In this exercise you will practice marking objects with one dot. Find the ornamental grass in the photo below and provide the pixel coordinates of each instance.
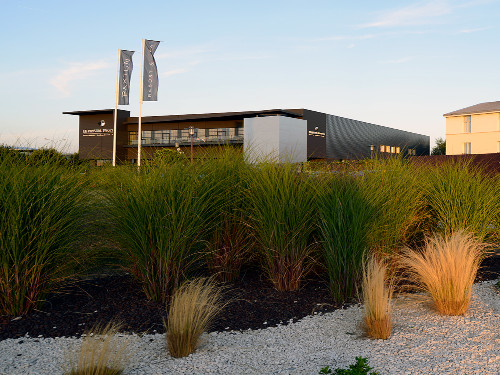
(41, 221)
(193, 307)
(377, 296)
(228, 242)
(461, 195)
(101, 352)
(161, 219)
(344, 217)
(281, 206)
(393, 188)
(446, 268)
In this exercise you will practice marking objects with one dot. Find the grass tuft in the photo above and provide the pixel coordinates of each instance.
(101, 353)
(194, 306)
(344, 218)
(446, 269)
(281, 207)
(377, 295)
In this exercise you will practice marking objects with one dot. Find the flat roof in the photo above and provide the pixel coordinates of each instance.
(93, 112)
(215, 116)
(487, 107)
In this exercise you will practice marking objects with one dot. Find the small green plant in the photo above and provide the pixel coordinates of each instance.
(101, 353)
(194, 306)
(359, 368)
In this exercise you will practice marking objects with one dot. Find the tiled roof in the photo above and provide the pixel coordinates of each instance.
(478, 108)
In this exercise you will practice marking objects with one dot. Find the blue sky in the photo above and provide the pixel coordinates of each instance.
(395, 63)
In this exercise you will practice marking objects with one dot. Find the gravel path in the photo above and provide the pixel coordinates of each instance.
(422, 342)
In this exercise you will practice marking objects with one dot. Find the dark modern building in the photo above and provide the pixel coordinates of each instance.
(326, 136)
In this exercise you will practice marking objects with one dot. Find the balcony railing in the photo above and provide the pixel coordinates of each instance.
(185, 141)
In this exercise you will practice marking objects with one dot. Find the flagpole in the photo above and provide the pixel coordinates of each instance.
(116, 106)
(139, 135)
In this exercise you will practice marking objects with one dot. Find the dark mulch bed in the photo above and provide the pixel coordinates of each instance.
(255, 304)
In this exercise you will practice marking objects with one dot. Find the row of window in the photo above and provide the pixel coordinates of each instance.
(172, 136)
(390, 149)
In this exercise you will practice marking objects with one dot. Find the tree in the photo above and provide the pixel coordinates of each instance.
(440, 147)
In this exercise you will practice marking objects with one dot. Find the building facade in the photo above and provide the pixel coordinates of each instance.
(324, 137)
(473, 130)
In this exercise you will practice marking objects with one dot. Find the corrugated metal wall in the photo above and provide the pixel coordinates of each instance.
(351, 139)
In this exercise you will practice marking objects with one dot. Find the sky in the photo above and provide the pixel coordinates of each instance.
(401, 64)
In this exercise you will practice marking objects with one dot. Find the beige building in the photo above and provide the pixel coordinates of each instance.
(473, 130)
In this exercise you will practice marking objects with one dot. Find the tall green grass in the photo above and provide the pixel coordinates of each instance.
(394, 188)
(281, 209)
(161, 219)
(228, 243)
(461, 196)
(344, 218)
(41, 211)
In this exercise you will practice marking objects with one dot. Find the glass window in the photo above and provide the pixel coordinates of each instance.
(382, 148)
(467, 148)
(393, 150)
(467, 124)
(398, 150)
(132, 138)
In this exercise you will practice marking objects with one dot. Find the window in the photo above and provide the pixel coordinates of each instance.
(467, 124)
(498, 146)
(132, 138)
(398, 150)
(393, 150)
(467, 148)
(382, 148)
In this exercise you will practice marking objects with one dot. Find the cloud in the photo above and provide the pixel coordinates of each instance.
(397, 61)
(174, 72)
(76, 71)
(346, 37)
(415, 14)
(468, 31)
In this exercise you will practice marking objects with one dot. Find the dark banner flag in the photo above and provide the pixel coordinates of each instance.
(126, 67)
(150, 84)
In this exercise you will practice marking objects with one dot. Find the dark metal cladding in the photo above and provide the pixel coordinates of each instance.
(316, 134)
(352, 139)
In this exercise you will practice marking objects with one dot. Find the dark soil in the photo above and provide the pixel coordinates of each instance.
(255, 304)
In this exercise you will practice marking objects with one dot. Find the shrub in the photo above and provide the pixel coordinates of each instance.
(281, 209)
(101, 353)
(344, 218)
(192, 309)
(461, 196)
(446, 268)
(161, 218)
(377, 295)
(168, 156)
(41, 210)
(359, 368)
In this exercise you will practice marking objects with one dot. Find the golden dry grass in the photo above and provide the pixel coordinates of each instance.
(377, 296)
(193, 307)
(446, 268)
(101, 352)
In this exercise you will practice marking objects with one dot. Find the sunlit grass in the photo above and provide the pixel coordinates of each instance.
(446, 268)
(193, 307)
(101, 352)
(377, 296)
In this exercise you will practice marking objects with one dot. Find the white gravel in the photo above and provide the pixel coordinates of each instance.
(422, 342)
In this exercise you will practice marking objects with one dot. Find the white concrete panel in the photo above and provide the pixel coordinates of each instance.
(277, 138)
